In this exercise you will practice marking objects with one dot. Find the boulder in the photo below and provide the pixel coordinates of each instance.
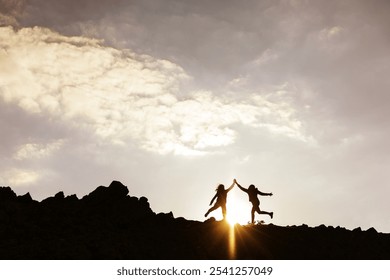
(6, 193)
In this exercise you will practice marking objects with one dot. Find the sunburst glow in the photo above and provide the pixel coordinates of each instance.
(238, 209)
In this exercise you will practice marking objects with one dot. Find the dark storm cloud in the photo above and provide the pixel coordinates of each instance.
(11, 11)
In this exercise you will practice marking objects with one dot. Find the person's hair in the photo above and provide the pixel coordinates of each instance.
(220, 187)
(252, 187)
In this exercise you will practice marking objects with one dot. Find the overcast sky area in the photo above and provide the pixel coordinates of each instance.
(174, 97)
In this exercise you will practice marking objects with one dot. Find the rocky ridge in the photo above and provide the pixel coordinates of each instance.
(108, 223)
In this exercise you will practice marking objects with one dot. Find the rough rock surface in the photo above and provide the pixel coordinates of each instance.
(110, 224)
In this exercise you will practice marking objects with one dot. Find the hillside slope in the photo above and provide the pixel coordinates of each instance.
(110, 224)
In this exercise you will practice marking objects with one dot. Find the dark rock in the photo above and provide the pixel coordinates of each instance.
(110, 224)
(102, 194)
(56, 199)
(26, 198)
(358, 229)
(322, 227)
(164, 217)
(210, 220)
(59, 195)
(6, 193)
(71, 198)
(143, 201)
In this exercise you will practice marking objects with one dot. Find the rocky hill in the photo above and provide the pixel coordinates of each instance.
(110, 224)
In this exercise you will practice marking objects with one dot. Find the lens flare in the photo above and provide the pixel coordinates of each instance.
(232, 242)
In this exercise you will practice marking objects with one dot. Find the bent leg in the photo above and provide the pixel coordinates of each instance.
(271, 214)
(256, 208)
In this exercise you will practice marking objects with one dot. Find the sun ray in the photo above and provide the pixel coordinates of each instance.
(232, 242)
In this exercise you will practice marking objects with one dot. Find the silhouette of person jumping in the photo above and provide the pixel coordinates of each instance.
(221, 197)
(252, 192)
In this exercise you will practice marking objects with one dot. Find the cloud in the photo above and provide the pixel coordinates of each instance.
(37, 150)
(11, 11)
(122, 96)
(19, 177)
(267, 56)
(330, 33)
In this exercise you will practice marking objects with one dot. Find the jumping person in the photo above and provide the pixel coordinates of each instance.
(221, 197)
(252, 192)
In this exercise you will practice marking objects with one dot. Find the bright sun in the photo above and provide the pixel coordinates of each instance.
(238, 209)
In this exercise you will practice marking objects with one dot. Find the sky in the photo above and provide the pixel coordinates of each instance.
(175, 97)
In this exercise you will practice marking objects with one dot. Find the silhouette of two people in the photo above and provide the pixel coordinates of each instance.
(252, 192)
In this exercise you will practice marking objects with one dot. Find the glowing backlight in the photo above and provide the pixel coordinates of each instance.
(238, 209)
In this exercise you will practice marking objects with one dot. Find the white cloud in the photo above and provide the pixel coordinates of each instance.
(19, 177)
(121, 96)
(267, 56)
(37, 150)
(330, 33)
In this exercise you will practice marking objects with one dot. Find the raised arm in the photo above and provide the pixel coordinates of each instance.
(241, 188)
(230, 188)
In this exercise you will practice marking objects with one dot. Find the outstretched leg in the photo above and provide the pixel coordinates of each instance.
(211, 210)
